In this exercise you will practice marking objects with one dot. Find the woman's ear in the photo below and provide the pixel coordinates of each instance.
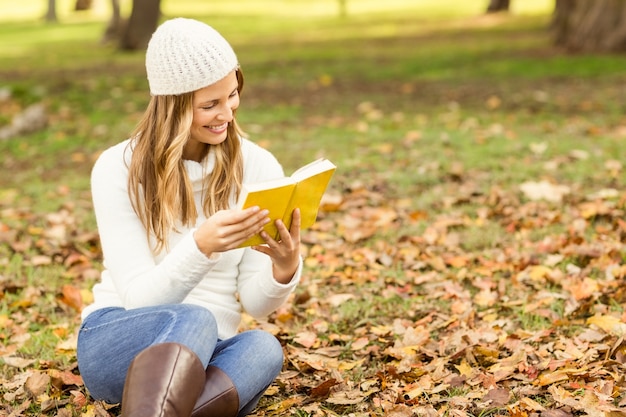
(239, 76)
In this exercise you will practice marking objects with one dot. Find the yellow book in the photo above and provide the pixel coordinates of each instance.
(303, 189)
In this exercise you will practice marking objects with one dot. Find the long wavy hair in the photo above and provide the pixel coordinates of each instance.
(158, 185)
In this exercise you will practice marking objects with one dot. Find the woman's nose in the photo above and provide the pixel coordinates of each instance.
(225, 113)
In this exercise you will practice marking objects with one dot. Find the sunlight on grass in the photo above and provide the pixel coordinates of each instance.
(318, 41)
(36, 10)
(293, 13)
(31, 10)
(308, 8)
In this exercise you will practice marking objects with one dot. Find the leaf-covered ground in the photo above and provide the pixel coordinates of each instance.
(469, 259)
(419, 324)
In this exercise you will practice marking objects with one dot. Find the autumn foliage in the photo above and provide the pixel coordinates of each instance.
(469, 258)
(416, 324)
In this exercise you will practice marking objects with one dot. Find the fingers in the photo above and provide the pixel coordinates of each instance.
(252, 224)
(251, 214)
(244, 224)
(254, 218)
(285, 252)
(287, 239)
(296, 219)
(226, 229)
(294, 231)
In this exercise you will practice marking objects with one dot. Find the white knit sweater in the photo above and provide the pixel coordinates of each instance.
(133, 277)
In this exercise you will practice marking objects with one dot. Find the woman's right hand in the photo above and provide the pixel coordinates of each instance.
(227, 229)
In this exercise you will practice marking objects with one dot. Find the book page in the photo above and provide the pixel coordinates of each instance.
(313, 168)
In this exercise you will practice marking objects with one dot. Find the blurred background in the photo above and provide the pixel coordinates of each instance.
(316, 70)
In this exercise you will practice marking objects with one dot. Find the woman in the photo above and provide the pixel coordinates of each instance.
(162, 334)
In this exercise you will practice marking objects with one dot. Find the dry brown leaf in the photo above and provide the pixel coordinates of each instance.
(307, 339)
(71, 296)
(609, 324)
(17, 362)
(37, 384)
(64, 378)
(497, 397)
(584, 289)
(323, 389)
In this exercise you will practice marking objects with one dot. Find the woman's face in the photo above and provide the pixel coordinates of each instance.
(213, 110)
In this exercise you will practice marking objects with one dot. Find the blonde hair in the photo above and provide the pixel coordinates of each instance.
(158, 185)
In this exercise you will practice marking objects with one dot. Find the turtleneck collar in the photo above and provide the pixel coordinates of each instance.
(198, 171)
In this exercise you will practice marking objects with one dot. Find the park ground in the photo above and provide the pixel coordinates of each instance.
(468, 259)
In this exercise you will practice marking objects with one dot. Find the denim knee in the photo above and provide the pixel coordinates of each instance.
(271, 347)
(194, 327)
(192, 319)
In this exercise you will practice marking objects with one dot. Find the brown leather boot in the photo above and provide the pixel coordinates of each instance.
(219, 398)
(164, 380)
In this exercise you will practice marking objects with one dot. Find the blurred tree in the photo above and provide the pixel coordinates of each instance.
(51, 14)
(590, 26)
(136, 32)
(115, 28)
(343, 8)
(83, 5)
(498, 6)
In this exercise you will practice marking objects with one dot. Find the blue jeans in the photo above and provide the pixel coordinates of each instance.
(110, 338)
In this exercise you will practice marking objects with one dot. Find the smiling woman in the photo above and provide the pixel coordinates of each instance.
(213, 110)
(170, 301)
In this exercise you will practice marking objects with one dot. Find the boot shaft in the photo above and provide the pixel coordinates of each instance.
(164, 380)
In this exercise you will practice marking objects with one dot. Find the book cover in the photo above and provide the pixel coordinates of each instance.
(304, 189)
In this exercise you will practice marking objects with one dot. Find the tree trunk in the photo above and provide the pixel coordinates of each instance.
(343, 8)
(83, 5)
(498, 6)
(116, 25)
(51, 14)
(590, 26)
(143, 21)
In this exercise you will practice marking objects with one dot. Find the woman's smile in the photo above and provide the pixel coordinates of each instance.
(218, 129)
(214, 109)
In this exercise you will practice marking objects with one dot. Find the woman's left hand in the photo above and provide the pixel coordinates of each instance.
(285, 253)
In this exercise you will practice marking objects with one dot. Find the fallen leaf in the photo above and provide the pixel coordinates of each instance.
(544, 190)
(609, 324)
(71, 296)
(17, 362)
(497, 397)
(37, 384)
(306, 339)
(323, 389)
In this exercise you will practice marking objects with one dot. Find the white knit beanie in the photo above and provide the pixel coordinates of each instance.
(185, 55)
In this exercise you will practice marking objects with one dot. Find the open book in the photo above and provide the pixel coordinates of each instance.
(303, 189)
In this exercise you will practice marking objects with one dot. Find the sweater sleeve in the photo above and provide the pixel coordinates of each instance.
(138, 278)
(259, 293)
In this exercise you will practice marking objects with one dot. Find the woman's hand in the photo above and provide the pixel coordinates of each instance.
(285, 253)
(227, 229)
